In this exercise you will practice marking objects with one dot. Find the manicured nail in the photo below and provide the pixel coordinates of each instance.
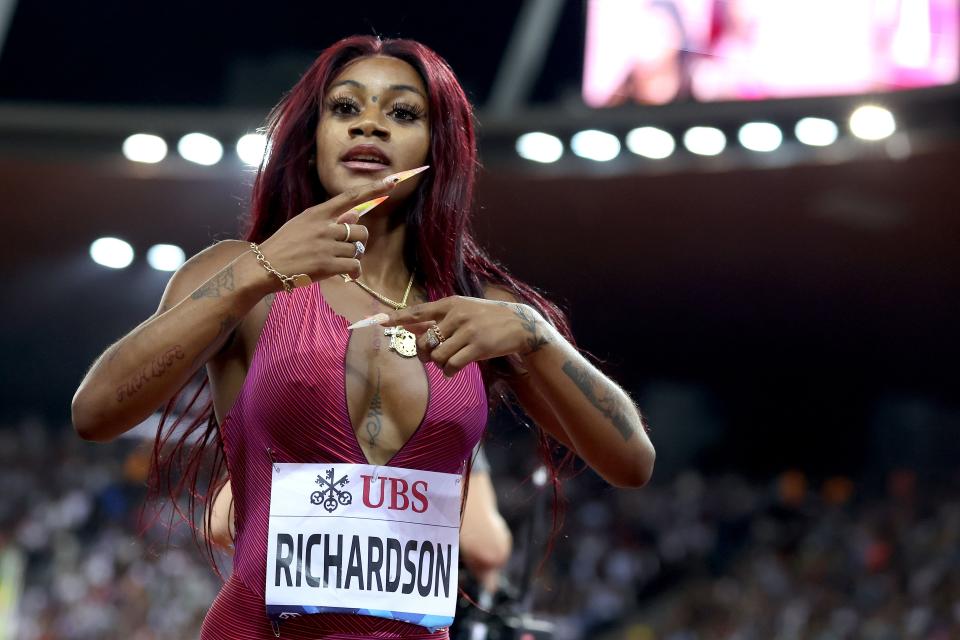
(364, 207)
(397, 178)
(369, 322)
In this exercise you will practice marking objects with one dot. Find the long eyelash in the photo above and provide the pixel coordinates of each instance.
(416, 110)
(337, 101)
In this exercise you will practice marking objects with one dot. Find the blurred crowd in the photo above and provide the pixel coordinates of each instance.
(689, 558)
(71, 510)
(726, 557)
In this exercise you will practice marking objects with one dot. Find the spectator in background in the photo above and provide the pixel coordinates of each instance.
(660, 70)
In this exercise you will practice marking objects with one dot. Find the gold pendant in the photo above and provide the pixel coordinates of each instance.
(402, 341)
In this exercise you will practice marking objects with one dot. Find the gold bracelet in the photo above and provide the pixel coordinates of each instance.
(289, 282)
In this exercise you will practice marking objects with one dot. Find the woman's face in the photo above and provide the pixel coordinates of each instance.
(374, 122)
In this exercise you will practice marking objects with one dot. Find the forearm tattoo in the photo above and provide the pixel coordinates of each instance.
(213, 287)
(528, 321)
(374, 423)
(160, 365)
(606, 403)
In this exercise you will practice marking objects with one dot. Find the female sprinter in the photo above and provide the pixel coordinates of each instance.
(297, 395)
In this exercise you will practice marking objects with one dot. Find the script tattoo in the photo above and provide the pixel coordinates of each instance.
(605, 403)
(529, 323)
(223, 281)
(160, 365)
(374, 423)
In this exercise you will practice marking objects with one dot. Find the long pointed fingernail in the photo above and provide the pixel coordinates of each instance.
(397, 178)
(364, 207)
(369, 322)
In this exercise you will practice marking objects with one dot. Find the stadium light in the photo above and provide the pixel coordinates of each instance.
(816, 132)
(539, 147)
(595, 145)
(704, 141)
(651, 142)
(111, 252)
(165, 257)
(200, 148)
(144, 147)
(871, 122)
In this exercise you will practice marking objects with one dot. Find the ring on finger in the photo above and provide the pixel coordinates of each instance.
(359, 249)
(347, 239)
(434, 337)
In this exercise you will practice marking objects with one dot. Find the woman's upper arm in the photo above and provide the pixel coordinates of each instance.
(198, 270)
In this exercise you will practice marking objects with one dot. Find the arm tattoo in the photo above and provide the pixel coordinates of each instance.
(160, 365)
(529, 323)
(223, 281)
(374, 424)
(604, 402)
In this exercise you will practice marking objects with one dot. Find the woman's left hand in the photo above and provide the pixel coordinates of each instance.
(472, 329)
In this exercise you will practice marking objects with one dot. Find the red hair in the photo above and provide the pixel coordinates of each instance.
(439, 241)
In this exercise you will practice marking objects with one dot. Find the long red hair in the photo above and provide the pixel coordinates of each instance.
(440, 247)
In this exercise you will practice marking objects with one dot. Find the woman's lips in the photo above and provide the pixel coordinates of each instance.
(365, 166)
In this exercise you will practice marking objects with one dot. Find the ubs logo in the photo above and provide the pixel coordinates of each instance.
(331, 493)
(400, 495)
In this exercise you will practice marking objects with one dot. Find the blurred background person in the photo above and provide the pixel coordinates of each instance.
(659, 71)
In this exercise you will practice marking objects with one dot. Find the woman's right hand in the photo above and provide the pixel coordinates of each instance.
(314, 242)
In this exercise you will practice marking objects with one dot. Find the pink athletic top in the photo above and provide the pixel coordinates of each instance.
(293, 406)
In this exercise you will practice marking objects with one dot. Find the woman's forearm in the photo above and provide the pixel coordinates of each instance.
(599, 418)
(146, 367)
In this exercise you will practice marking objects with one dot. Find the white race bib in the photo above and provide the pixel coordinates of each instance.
(363, 539)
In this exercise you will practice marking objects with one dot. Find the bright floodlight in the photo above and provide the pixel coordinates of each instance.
(539, 147)
(651, 142)
(250, 148)
(144, 147)
(111, 252)
(165, 257)
(760, 136)
(817, 132)
(704, 141)
(595, 145)
(200, 148)
(871, 122)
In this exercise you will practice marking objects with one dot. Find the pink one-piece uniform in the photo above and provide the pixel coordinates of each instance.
(293, 406)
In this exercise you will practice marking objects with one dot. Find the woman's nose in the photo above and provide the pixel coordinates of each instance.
(367, 127)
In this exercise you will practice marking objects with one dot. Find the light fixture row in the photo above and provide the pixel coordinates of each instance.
(115, 253)
(869, 122)
(198, 148)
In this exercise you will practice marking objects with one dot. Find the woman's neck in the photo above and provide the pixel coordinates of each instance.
(383, 266)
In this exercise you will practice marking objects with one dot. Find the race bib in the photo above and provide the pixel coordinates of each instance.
(363, 539)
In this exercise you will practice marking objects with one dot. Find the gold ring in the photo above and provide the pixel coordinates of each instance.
(347, 239)
(434, 337)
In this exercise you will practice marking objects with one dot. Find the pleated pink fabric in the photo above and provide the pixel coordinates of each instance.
(293, 407)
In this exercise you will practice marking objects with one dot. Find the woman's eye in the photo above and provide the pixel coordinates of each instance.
(344, 106)
(406, 112)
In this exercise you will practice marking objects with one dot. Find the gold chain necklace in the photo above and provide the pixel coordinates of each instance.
(402, 341)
